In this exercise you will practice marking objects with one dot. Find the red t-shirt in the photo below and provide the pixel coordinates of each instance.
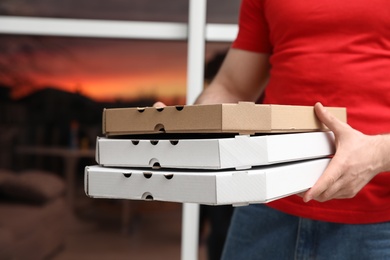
(338, 53)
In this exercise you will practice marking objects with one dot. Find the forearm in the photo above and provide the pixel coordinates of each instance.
(217, 93)
(383, 142)
(242, 77)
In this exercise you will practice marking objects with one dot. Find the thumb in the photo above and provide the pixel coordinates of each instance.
(330, 121)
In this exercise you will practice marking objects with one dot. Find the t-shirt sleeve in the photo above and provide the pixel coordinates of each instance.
(253, 33)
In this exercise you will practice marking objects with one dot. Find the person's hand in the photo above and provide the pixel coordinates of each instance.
(159, 104)
(354, 164)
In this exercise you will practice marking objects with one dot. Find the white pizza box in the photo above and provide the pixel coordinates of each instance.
(256, 185)
(241, 118)
(239, 152)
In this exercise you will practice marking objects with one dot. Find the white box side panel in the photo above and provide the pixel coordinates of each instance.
(202, 154)
(216, 187)
(288, 147)
(293, 178)
(106, 182)
(243, 152)
(241, 187)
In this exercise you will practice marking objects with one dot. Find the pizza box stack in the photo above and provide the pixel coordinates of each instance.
(210, 154)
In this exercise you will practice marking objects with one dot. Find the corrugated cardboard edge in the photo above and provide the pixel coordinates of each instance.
(242, 118)
(286, 118)
(156, 120)
(246, 118)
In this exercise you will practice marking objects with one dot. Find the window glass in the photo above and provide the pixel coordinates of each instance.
(101, 69)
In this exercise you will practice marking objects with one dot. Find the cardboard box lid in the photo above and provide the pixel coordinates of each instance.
(242, 118)
(240, 152)
(258, 185)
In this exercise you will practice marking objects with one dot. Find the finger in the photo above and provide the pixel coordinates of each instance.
(328, 178)
(340, 190)
(332, 192)
(159, 104)
(330, 121)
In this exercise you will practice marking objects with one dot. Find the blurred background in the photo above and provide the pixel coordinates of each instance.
(52, 93)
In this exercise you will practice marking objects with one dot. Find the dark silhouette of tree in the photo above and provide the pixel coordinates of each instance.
(20, 52)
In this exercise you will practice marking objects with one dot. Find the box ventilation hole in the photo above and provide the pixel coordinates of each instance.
(168, 176)
(154, 142)
(127, 174)
(147, 196)
(135, 142)
(140, 109)
(154, 163)
(174, 142)
(148, 175)
(159, 128)
(159, 109)
(179, 108)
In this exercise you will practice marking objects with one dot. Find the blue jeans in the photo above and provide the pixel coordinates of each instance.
(259, 232)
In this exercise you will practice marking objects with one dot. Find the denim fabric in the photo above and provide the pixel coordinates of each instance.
(259, 232)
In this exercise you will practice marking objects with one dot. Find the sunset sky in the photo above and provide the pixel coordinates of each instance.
(104, 69)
